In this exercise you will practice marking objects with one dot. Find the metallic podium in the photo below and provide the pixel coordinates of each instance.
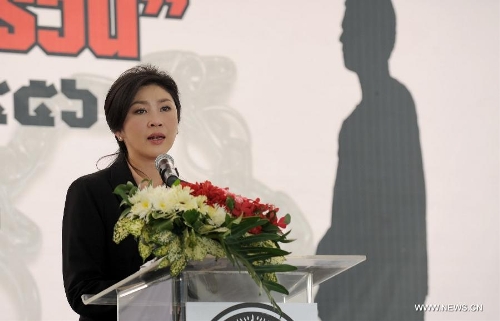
(215, 290)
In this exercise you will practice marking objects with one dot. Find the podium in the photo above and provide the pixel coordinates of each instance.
(216, 290)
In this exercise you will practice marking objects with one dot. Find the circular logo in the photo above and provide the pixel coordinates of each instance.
(251, 311)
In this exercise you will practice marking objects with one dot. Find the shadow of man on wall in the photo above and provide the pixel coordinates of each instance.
(379, 203)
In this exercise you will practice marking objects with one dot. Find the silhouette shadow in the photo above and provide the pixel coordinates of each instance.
(379, 202)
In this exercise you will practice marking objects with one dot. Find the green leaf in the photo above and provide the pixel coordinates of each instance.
(261, 250)
(276, 287)
(158, 215)
(270, 228)
(258, 258)
(124, 190)
(190, 217)
(284, 238)
(205, 229)
(230, 220)
(246, 224)
(161, 225)
(219, 230)
(230, 203)
(268, 268)
(255, 238)
(124, 213)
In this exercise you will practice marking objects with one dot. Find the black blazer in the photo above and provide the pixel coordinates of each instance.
(91, 260)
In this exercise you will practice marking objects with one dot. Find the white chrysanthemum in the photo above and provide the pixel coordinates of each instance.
(203, 208)
(185, 201)
(217, 214)
(162, 199)
(141, 202)
(141, 208)
(140, 195)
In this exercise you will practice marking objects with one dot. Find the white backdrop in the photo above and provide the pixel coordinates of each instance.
(273, 74)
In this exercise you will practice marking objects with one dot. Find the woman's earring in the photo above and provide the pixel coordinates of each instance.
(120, 139)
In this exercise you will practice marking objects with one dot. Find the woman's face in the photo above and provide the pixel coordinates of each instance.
(150, 126)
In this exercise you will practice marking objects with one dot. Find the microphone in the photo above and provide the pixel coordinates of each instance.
(165, 165)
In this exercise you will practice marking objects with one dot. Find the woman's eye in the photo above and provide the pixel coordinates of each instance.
(140, 111)
(165, 108)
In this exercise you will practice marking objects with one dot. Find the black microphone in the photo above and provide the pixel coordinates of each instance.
(165, 165)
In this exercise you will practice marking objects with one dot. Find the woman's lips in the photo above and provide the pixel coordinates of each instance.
(156, 138)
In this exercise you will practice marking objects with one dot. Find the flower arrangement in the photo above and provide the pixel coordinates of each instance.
(192, 221)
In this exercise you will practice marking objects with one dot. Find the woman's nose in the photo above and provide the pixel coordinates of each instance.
(155, 123)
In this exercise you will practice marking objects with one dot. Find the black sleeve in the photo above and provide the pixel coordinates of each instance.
(84, 241)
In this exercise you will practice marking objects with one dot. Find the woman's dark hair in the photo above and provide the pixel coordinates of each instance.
(123, 90)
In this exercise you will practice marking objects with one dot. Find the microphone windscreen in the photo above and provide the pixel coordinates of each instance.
(164, 162)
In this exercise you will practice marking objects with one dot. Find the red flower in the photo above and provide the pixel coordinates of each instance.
(214, 194)
(281, 223)
(240, 205)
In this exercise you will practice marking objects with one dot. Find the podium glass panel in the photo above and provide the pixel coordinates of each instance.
(152, 294)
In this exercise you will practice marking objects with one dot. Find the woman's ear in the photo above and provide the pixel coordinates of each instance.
(118, 136)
